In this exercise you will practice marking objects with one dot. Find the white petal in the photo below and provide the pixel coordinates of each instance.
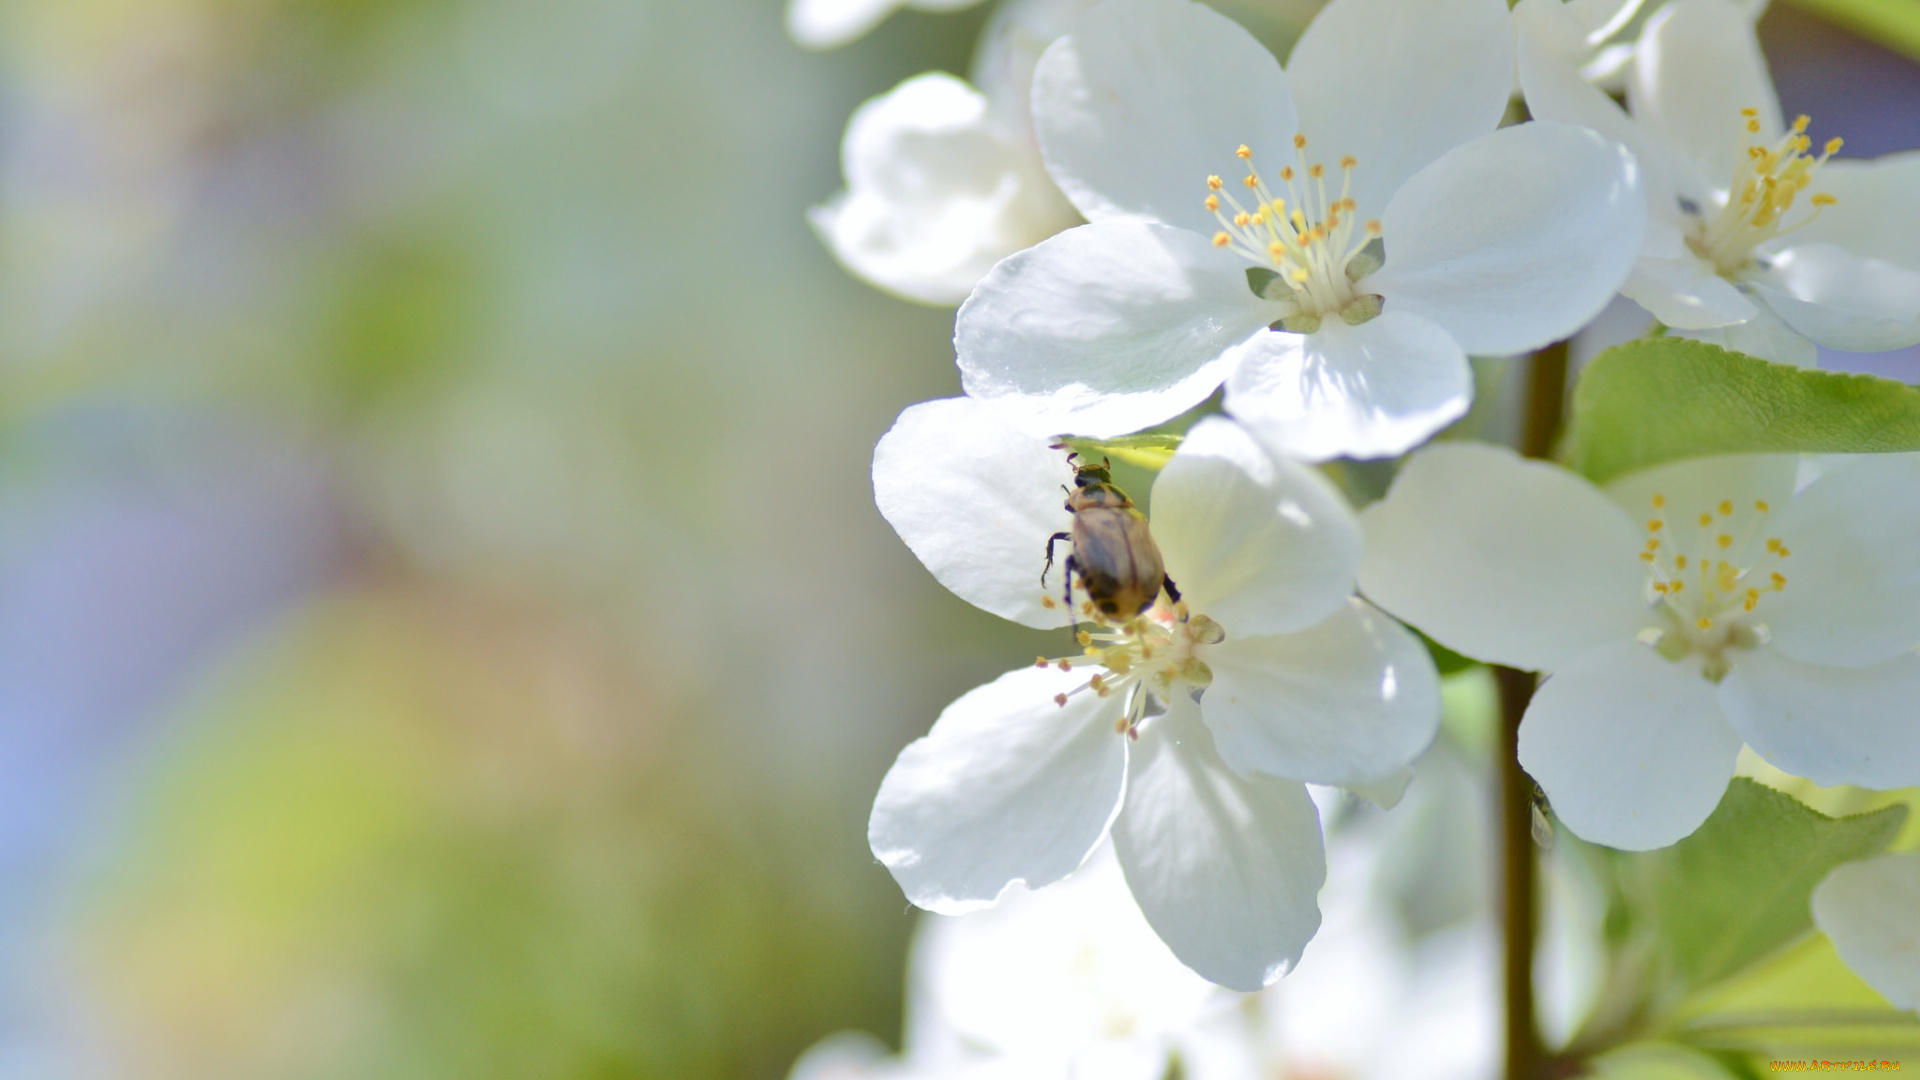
(1007, 787)
(1871, 910)
(1557, 92)
(1368, 391)
(1225, 869)
(1502, 559)
(1686, 292)
(1765, 335)
(1146, 98)
(1088, 963)
(976, 500)
(1853, 578)
(1107, 328)
(1699, 485)
(1516, 239)
(828, 24)
(1699, 65)
(1349, 701)
(1878, 213)
(1262, 545)
(1832, 725)
(1632, 750)
(937, 192)
(1396, 85)
(1842, 301)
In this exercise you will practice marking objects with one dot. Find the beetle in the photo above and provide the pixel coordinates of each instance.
(1113, 551)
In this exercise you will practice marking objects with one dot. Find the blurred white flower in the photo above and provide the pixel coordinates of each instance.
(1495, 242)
(1871, 911)
(1755, 240)
(1593, 35)
(1207, 716)
(829, 24)
(1684, 609)
(943, 179)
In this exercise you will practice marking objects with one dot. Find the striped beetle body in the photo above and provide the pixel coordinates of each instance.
(1114, 555)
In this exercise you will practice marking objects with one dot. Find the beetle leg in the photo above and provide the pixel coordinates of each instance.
(1051, 540)
(1073, 621)
(1173, 591)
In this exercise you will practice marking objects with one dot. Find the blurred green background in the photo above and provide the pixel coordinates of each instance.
(444, 626)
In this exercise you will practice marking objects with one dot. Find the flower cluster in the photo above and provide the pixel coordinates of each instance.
(1137, 207)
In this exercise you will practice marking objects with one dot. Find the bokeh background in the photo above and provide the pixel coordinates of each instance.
(444, 626)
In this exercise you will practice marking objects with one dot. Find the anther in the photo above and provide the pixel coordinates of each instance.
(1703, 623)
(1654, 525)
(1064, 664)
(1659, 501)
(1726, 507)
(1833, 145)
(1706, 520)
(1286, 173)
(1243, 153)
(1047, 601)
(1299, 142)
(1724, 541)
(1373, 227)
(1083, 638)
(1779, 581)
(1761, 505)
(1821, 198)
(1348, 162)
(1213, 183)
(1749, 112)
(1646, 556)
(1316, 170)
(1251, 181)
(1060, 700)
(1800, 123)
(1680, 561)
(1040, 661)
(1213, 202)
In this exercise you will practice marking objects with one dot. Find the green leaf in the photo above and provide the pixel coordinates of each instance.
(1662, 399)
(1738, 889)
(1149, 450)
(1893, 23)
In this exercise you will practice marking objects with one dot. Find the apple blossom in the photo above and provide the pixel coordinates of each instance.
(1331, 241)
(829, 24)
(1757, 240)
(1871, 911)
(1684, 609)
(1188, 731)
(944, 177)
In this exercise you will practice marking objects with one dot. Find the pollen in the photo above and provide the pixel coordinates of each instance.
(1307, 232)
(1761, 196)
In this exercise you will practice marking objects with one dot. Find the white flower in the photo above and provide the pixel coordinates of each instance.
(1258, 265)
(943, 179)
(829, 24)
(938, 190)
(1682, 610)
(1295, 681)
(1755, 239)
(1061, 982)
(1588, 35)
(1871, 911)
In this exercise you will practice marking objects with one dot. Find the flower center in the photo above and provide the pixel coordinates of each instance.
(1710, 581)
(1145, 659)
(1308, 253)
(1763, 190)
